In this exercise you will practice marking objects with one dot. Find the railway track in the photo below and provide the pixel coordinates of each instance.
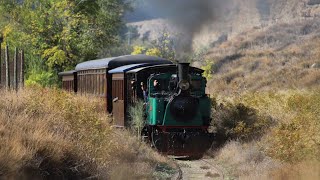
(198, 169)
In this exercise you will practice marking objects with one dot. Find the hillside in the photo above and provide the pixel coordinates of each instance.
(282, 56)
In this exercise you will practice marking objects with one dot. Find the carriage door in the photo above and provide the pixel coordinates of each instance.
(118, 99)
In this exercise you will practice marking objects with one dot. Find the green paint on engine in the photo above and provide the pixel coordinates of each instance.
(155, 110)
(158, 106)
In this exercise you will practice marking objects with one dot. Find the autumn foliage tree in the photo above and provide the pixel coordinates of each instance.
(163, 47)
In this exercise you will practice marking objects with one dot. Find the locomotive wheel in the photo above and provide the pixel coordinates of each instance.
(156, 140)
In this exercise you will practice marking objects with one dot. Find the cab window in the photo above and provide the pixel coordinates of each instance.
(158, 85)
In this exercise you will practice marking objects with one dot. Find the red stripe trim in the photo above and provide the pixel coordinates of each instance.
(164, 128)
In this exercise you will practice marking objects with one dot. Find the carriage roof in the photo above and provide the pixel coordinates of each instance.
(163, 68)
(124, 69)
(115, 62)
(66, 73)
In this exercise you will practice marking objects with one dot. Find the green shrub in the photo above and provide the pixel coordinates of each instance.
(208, 70)
(42, 78)
(239, 122)
(136, 113)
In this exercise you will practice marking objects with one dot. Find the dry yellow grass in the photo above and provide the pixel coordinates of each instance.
(245, 161)
(48, 133)
(289, 149)
(304, 170)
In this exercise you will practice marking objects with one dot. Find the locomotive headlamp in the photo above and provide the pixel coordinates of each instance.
(184, 85)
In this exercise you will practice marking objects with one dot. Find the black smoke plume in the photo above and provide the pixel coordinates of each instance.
(188, 16)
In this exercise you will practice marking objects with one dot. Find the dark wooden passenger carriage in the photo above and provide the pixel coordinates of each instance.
(69, 80)
(92, 77)
(126, 86)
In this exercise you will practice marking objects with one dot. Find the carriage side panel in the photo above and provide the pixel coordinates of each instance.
(118, 99)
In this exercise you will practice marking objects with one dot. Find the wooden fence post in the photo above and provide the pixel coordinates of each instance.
(22, 69)
(0, 63)
(7, 68)
(15, 69)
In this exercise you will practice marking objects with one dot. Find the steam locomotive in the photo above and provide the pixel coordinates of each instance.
(177, 110)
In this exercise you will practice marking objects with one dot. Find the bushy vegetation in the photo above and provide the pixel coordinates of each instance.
(245, 161)
(238, 122)
(208, 70)
(137, 118)
(48, 133)
(284, 129)
(296, 136)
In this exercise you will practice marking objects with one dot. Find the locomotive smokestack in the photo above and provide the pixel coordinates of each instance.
(183, 69)
(183, 75)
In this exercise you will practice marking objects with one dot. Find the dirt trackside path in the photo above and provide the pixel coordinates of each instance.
(204, 168)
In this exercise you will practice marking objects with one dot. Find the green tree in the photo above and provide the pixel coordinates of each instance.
(161, 47)
(61, 32)
(165, 45)
(208, 69)
(153, 52)
(139, 50)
